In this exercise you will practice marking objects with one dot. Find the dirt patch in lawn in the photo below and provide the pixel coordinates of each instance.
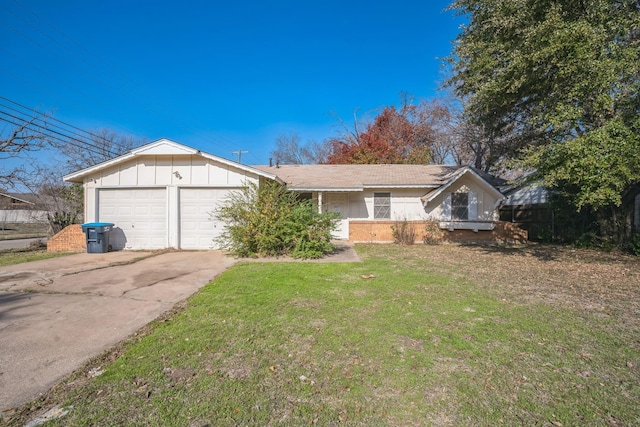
(602, 282)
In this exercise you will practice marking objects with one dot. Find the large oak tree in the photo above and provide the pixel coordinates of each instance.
(564, 76)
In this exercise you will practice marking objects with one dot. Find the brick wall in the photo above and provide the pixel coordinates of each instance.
(380, 231)
(71, 239)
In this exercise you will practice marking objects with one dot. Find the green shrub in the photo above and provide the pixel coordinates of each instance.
(269, 220)
(592, 240)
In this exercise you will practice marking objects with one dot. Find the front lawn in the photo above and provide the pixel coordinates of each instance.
(420, 335)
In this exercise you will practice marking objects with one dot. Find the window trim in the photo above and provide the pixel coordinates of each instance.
(380, 205)
(472, 207)
(459, 210)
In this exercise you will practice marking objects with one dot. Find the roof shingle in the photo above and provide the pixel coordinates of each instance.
(360, 176)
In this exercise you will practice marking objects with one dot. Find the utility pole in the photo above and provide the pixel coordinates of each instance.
(239, 153)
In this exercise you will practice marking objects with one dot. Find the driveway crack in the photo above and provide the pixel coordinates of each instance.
(118, 263)
(151, 284)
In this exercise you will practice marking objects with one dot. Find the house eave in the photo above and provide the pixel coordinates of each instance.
(326, 189)
(429, 197)
(400, 186)
(17, 198)
(178, 149)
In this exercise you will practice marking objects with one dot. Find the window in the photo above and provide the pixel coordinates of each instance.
(305, 196)
(460, 206)
(381, 205)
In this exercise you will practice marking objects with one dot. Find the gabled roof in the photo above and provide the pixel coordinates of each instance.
(359, 177)
(457, 175)
(161, 147)
(529, 193)
(20, 197)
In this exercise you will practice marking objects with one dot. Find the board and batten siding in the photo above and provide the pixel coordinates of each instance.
(486, 202)
(170, 172)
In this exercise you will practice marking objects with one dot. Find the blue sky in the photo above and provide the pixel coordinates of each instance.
(220, 76)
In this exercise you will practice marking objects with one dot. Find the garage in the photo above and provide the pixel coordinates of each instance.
(198, 228)
(139, 215)
(160, 195)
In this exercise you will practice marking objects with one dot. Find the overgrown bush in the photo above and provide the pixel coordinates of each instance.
(59, 220)
(403, 232)
(593, 240)
(269, 220)
(433, 235)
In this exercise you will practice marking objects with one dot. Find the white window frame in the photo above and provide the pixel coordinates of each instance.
(381, 206)
(460, 206)
(472, 207)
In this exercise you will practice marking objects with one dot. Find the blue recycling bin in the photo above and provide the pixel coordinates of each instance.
(97, 234)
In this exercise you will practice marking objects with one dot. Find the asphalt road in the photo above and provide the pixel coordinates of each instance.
(16, 243)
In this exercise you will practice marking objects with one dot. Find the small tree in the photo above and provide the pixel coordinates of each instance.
(269, 220)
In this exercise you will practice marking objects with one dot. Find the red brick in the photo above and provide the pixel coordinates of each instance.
(70, 239)
(380, 231)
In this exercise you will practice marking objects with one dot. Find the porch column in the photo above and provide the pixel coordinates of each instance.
(319, 201)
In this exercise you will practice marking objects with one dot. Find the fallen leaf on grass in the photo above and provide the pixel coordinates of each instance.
(368, 276)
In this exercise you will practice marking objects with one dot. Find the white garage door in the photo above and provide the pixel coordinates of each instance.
(139, 215)
(198, 228)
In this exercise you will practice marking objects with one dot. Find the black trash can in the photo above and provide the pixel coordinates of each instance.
(97, 234)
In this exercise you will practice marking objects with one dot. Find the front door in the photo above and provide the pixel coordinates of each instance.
(339, 202)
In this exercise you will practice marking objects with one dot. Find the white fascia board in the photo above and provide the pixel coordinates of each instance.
(171, 148)
(400, 186)
(163, 146)
(240, 166)
(144, 149)
(457, 176)
(491, 188)
(327, 189)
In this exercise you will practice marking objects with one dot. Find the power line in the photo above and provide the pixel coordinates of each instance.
(53, 135)
(167, 111)
(90, 134)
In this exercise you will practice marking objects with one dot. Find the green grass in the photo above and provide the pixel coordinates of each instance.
(310, 343)
(21, 230)
(18, 256)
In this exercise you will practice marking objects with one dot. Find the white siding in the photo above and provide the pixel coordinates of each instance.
(473, 206)
(147, 171)
(446, 207)
(155, 174)
(485, 202)
(405, 204)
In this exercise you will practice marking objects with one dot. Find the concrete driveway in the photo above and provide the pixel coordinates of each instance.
(56, 314)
